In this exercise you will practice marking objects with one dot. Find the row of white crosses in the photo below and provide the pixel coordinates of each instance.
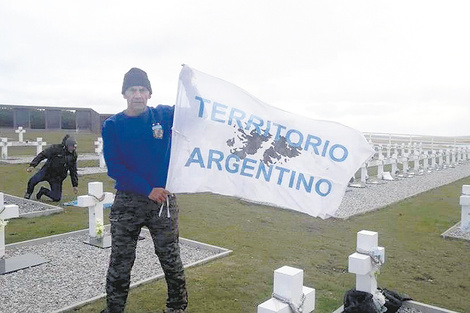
(4, 144)
(7, 211)
(94, 201)
(405, 154)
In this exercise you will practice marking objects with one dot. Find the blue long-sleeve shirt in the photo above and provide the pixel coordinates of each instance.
(136, 160)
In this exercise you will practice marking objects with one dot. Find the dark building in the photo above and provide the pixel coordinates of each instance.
(50, 118)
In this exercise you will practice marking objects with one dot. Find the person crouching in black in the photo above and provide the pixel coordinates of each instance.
(61, 158)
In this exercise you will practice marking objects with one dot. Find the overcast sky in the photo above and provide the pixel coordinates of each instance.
(377, 66)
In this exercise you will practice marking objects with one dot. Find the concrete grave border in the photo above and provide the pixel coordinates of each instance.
(423, 308)
(221, 252)
(52, 208)
(455, 233)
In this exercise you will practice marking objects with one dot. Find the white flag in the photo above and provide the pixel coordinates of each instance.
(228, 142)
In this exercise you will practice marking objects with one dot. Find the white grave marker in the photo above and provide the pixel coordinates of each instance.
(465, 207)
(6, 212)
(16, 263)
(95, 200)
(99, 151)
(20, 131)
(5, 144)
(39, 144)
(289, 294)
(366, 261)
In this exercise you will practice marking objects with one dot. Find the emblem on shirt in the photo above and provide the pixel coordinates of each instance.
(157, 131)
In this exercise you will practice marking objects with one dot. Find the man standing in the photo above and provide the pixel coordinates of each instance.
(136, 147)
(61, 158)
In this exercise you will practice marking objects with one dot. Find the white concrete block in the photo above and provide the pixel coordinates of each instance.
(465, 218)
(95, 189)
(366, 283)
(359, 264)
(273, 306)
(8, 210)
(367, 240)
(464, 200)
(466, 189)
(85, 201)
(309, 303)
(288, 282)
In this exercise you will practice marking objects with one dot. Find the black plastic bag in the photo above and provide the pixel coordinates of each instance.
(358, 302)
(393, 300)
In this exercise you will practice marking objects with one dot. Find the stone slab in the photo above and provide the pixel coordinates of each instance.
(104, 242)
(20, 262)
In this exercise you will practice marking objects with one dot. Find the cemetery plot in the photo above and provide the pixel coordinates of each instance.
(461, 230)
(364, 263)
(76, 272)
(19, 262)
(31, 208)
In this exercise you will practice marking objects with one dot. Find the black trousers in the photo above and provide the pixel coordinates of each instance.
(129, 213)
(55, 193)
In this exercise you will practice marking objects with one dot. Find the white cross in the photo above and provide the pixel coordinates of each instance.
(39, 144)
(465, 207)
(425, 156)
(288, 286)
(94, 201)
(5, 144)
(364, 175)
(404, 158)
(99, 150)
(20, 132)
(362, 263)
(6, 212)
(415, 157)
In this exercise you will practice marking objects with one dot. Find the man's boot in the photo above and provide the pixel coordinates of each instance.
(41, 192)
(27, 195)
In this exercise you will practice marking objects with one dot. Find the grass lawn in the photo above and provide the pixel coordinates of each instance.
(418, 261)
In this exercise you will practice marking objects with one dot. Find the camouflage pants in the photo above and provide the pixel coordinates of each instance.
(129, 213)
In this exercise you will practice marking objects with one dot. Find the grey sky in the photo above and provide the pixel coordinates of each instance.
(380, 66)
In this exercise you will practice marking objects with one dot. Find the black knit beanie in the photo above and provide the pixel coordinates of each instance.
(70, 142)
(136, 77)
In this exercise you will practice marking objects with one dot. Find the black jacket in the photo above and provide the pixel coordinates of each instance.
(59, 162)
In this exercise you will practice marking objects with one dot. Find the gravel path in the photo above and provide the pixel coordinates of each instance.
(373, 197)
(76, 272)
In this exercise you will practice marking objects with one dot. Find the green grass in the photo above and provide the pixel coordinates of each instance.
(418, 261)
